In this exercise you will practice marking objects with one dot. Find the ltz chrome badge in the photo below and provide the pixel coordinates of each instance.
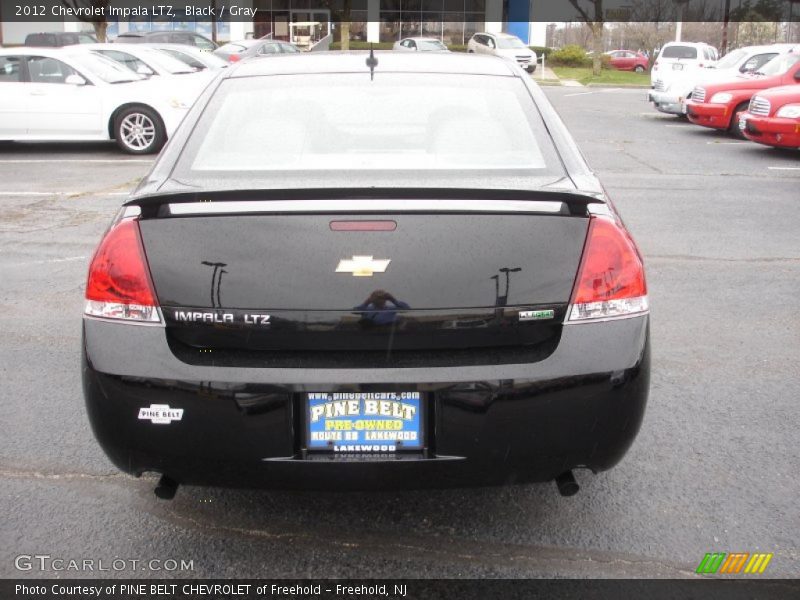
(536, 315)
(362, 266)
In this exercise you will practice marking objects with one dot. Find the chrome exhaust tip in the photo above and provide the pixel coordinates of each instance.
(166, 488)
(567, 486)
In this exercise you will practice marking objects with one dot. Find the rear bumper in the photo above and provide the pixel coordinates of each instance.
(716, 116)
(773, 131)
(667, 102)
(580, 407)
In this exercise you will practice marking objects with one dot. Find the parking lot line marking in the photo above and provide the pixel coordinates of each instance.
(657, 116)
(99, 193)
(784, 168)
(49, 261)
(16, 161)
(727, 143)
(578, 94)
(39, 193)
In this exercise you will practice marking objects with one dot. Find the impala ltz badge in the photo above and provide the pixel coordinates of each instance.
(160, 414)
(221, 318)
(362, 266)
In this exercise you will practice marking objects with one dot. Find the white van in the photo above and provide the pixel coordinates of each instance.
(679, 58)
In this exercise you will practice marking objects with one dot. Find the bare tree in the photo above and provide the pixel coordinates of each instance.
(99, 23)
(340, 13)
(596, 25)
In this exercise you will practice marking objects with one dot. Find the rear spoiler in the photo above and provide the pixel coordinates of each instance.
(345, 200)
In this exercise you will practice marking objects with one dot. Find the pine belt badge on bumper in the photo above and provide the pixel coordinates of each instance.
(160, 414)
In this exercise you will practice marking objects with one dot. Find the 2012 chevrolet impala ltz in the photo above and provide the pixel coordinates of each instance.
(349, 270)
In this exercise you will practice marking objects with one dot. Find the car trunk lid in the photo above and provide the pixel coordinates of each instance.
(361, 281)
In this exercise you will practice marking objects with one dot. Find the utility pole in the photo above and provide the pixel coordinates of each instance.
(681, 5)
(214, 21)
(725, 22)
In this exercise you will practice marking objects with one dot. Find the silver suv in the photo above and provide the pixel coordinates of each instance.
(505, 45)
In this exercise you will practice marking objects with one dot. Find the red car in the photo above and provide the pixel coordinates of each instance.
(720, 105)
(774, 117)
(627, 60)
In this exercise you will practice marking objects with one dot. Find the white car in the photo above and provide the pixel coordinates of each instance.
(197, 59)
(420, 44)
(505, 45)
(676, 59)
(71, 93)
(143, 59)
(670, 95)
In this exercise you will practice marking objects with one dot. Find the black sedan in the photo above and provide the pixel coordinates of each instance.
(422, 284)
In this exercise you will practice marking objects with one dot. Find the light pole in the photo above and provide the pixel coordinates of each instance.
(503, 300)
(216, 280)
(681, 4)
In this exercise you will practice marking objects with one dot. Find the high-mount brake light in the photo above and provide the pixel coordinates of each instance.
(611, 282)
(119, 284)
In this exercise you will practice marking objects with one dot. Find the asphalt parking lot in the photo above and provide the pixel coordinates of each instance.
(713, 469)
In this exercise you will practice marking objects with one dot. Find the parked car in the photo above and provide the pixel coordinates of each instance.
(74, 94)
(58, 39)
(670, 96)
(187, 38)
(721, 104)
(681, 58)
(420, 44)
(236, 51)
(627, 60)
(142, 59)
(504, 45)
(388, 303)
(192, 56)
(773, 117)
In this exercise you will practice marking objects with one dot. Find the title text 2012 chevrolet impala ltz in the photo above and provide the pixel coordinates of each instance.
(355, 271)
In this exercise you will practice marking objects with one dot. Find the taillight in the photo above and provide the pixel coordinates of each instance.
(611, 280)
(234, 58)
(655, 66)
(119, 285)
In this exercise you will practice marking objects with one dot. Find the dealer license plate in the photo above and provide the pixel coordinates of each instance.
(364, 422)
(743, 123)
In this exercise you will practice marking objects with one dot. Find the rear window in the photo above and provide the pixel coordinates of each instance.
(185, 58)
(431, 45)
(731, 59)
(347, 126)
(680, 52)
(232, 48)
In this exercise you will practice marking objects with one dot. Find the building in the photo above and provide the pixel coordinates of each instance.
(453, 21)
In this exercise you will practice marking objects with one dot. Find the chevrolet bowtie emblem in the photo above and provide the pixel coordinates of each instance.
(362, 266)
